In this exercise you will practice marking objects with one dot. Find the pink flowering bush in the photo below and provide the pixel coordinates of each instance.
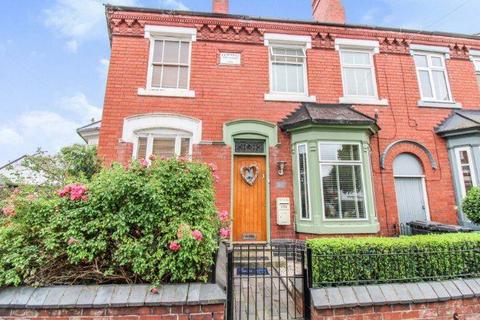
(142, 224)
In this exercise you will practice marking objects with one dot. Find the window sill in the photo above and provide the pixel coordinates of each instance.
(289, 97)
(438, 104)
(366, 101)
(178, 93)
(344, 227)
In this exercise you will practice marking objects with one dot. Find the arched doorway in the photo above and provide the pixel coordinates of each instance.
(412, 201)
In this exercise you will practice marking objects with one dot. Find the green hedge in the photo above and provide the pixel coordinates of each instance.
(341, 261)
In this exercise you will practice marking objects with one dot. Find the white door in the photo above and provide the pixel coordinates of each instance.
(412, 201)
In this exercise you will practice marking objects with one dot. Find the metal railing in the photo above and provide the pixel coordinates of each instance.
(407, 265)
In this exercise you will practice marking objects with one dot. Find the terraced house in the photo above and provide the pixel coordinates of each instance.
(316, 127)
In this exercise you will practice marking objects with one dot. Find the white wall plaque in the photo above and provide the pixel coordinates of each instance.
(230, 58)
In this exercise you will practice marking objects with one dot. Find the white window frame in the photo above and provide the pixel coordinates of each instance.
(309, 207)
(353, 162)
(430, 68)
(460, 171)
(273, 40)
(151, 136)
(371, 47)
(164, 33)
(476, 66)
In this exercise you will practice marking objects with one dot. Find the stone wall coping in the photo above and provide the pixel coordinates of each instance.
(393, 294)
(103, 296)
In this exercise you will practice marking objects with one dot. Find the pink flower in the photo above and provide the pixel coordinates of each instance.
(9, 210)
(197, 235)
(143, 163)
(174, 246)
(213, 167)
(72, 241)
(225, 233)
(16, 191)
(223, 216)
(75, 191)
(216, 177)
(32, 197)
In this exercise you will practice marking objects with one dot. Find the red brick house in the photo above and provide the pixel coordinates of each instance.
(316, 127)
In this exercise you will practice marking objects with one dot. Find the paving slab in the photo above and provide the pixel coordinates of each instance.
(103, 296)
(174, 294)
(87, 296)
(376, 294)
(452, 289)
(334, 297)
(402, 292)
(37, 298)
(415, 293)
(6, 296)
(21, 297)
(54, 296)
(440, 290)
(348, 296)
(320, 298)
(139, 294)
(474, 286)
(389, 293)
(464, 288)
(120, 296)
(363, 297)
(428, 292)
(70, 296)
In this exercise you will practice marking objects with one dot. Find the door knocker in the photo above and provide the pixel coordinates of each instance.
(249, 173)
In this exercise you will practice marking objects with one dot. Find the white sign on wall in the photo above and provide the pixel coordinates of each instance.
(283, 211)
(230, 58)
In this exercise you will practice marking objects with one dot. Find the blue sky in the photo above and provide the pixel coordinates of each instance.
(54, 55)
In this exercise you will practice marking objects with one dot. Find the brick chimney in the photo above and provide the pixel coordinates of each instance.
(328, 11)
(220, 6)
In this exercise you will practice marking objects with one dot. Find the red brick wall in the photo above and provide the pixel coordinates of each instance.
(226, 93)
(206, 312)
(454, 309)
(328, 11)
(220, 6)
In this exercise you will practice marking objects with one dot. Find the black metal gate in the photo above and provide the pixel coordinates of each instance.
(267, 281)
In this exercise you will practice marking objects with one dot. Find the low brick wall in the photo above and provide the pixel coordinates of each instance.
(453, 300)
(123, 302)
(451, 310)
(193, 312)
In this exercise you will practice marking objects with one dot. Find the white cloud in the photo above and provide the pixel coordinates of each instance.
(48, 130)
(102, 68)
(173, 4)
(82, 109)
(79, 21)
(9, 137)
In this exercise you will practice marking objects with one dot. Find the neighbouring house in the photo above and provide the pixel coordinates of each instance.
(90, 132)
(316, 127)
(14, 173)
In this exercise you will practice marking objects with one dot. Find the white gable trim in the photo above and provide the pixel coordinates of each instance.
(164, 121)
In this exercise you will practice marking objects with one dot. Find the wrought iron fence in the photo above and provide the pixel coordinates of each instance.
(407, 265)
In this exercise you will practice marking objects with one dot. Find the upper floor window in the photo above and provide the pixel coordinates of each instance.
(169, 64)
(432, 77)
(288, 67)
(476, 62)
(358, 71)
(342, 181)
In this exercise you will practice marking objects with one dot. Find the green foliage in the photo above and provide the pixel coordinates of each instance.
(407, 259)
(471, 205)
(119, 232)
(80, 161)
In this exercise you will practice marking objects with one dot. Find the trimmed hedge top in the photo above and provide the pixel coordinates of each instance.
(353, 261)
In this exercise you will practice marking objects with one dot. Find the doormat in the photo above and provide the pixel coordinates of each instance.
(252, 271)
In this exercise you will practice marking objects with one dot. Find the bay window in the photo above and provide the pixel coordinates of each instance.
(303, 182)
(162, 145)
(465, 170)
(342, 181)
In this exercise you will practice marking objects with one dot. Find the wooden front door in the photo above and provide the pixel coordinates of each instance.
(249, 199)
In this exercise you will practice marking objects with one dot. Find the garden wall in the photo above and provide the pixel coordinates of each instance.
(456, 299)
(126, 302)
